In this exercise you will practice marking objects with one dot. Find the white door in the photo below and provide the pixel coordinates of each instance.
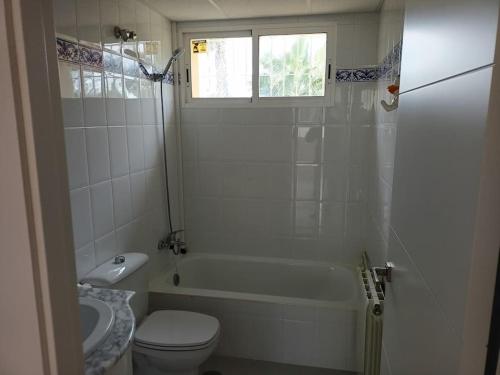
(437, 306)
(39, 317)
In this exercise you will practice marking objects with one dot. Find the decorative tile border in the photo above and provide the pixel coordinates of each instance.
(79, 54)
(343, 75)
(67, 51)
(91, 57)
(169, 79)
(365, 74)
(388, 67)
(357, 75)
(97, 58)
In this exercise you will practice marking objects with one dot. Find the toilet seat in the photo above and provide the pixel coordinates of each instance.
(174, 330)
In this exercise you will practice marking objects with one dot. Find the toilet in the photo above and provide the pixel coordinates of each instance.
(171, 341)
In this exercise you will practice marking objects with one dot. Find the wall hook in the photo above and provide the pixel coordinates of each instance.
(394, 90)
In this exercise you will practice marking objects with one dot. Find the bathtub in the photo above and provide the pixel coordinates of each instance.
(280, 310)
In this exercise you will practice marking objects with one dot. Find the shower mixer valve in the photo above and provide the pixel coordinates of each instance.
(172, 242)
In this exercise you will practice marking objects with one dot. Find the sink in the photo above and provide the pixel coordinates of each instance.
(96, 321)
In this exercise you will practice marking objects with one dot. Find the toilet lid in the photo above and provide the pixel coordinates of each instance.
(177, 328)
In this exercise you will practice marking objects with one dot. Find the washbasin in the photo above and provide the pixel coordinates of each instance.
(96, 322)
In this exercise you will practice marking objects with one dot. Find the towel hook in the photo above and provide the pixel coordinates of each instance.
(394, 90)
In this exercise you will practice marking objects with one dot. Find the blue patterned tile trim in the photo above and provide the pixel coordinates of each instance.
(67, 51)
(80, 54)
(357, 75)
(365, 74)
(396, 52)
(390, 65)
(169, 79)
(388, 68)
(90, 56)
(343, 75)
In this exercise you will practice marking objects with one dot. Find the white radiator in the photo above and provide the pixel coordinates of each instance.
(371, 323)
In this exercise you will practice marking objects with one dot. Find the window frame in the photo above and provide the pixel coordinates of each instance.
(187, 37)
(255, 31)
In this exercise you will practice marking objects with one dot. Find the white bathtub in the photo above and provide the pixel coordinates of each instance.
(279, 310)
(261, 279)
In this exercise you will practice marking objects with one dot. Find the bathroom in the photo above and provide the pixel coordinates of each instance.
(247, 187)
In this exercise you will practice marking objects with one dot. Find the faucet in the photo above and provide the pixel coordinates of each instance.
(381, 275)
(172, 242)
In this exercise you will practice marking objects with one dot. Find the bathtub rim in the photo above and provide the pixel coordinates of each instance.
(158, 283)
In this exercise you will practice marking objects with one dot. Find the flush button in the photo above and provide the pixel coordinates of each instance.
(119, 259)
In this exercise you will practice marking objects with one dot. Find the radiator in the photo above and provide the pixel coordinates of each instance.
(371, 323)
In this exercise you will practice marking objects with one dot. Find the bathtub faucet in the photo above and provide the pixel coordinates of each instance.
(172, 242)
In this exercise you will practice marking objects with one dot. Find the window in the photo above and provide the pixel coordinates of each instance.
(221, 67)
(260, 66)
(292, 65)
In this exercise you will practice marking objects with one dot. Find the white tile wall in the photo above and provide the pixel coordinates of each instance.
(76, 157)
(81, 217)
(381, 143)
(133, 112)
(86, 260)
(115, 111)
(72, 111)
(285, 177)
(105, 248)
(88, 26)
(94, 112)
(114, 141)
(65, 17)
(118, 151)
(122, 201)
(98, 154)
(135, 141)
(102, 208)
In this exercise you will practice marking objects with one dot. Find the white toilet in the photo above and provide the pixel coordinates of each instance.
(173, 342)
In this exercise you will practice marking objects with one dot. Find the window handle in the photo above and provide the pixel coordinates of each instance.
(329, 71)
(187, 75)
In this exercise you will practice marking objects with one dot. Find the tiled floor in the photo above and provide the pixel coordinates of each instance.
(240, 366)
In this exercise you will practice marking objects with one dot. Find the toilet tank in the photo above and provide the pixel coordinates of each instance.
(126, 271)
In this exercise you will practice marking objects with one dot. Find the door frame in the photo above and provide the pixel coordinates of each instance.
(39, 318)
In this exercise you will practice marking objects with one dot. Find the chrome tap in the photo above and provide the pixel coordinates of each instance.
(172, 242)
(381, 275)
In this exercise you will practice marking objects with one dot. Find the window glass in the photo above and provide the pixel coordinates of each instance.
(221, 67)
(292, 65)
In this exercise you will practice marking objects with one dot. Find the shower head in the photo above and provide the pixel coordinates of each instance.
(155, 76)
(176, 55)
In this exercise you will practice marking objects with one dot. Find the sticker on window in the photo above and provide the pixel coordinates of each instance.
(199, 46)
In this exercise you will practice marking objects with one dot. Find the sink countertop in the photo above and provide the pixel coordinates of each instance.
(122, 332)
